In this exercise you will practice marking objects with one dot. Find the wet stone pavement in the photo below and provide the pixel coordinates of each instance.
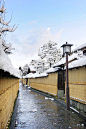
(35, 111)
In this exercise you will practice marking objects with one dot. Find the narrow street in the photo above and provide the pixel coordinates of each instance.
(35, 111)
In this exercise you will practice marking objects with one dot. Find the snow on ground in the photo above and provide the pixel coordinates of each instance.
(74, 109)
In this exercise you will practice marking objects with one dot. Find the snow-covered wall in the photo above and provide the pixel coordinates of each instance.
(78, 63)
(5, 63)
(79, 47)
(78, 55)
(35, 75)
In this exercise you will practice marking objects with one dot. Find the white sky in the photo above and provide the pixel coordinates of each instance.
(40, 21)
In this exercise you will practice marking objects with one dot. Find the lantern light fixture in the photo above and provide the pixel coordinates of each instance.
(66, 48)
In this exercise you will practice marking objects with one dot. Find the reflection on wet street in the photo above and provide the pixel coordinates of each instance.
(35, 111)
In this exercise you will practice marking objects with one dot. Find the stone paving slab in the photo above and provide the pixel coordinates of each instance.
(36, 111)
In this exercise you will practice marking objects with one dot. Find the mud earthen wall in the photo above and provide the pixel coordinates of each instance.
(8, 92)
(46, 84)
(77, 84)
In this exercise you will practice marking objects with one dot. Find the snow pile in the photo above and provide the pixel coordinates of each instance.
(5, 63)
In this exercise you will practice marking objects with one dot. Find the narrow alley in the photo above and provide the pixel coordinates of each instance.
(35, 111)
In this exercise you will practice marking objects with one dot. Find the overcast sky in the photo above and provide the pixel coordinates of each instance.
(43, 20)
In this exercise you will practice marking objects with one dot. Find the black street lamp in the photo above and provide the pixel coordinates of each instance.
(22, 73)
(67, 50)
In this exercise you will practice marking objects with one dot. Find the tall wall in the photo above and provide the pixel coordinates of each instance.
(46, 84)
(77, 84)
(8, 92)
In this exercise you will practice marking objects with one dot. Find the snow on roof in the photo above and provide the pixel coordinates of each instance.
(51, 70)
(77, 63)
(30, 75)
(5, 63)
(35, 75)
(79, 47)
(32, 68)
(63, 60)
(42, 75)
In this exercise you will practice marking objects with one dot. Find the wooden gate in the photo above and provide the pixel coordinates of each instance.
(61, 80)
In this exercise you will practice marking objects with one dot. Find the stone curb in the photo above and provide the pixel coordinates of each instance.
(73, 109)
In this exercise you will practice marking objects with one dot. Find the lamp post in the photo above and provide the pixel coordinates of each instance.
(67, 50)
(22, 73)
